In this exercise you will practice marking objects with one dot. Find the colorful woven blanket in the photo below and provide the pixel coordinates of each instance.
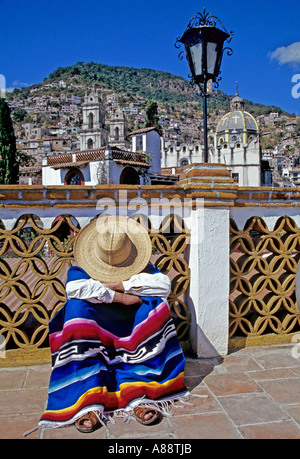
(111, 358)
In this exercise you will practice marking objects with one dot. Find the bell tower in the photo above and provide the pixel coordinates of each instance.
(237, 103)
(119, 129)
(92, 134)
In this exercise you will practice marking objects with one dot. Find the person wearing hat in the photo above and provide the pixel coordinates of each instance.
(115, 351)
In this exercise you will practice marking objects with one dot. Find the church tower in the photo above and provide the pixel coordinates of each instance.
(237, 103)
(92, 134)
(119, 129)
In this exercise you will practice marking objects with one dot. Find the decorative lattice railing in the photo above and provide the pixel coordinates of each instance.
(33, 269)
(263, 266)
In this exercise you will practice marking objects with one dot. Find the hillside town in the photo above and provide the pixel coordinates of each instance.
(49, 122)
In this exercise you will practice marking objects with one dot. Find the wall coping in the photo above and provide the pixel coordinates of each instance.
(210, 182)
(213, 193)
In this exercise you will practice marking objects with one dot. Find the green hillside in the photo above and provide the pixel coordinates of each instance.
(145, 84)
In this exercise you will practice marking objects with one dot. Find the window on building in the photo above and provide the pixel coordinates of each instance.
(74, 177)
(129, 176)
(91, 121)
(184, 162)
(90, 143)
(139, 143)
(235, 177)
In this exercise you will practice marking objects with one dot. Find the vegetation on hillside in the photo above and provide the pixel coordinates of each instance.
(145, 84)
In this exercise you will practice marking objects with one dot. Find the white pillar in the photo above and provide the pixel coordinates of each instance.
(209, 286)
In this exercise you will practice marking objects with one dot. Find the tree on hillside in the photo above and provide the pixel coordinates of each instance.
(9, 164)
(152, 116)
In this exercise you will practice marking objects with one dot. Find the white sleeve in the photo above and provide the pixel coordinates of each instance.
(144, 284)
(90, 290)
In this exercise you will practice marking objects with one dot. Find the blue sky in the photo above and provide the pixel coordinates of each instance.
(37, 36)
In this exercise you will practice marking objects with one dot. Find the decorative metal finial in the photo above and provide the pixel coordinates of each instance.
(202, 21)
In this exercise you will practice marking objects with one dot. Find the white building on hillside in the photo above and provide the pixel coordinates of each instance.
(148, 141)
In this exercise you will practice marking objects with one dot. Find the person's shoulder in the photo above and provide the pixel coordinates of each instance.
(75, 273)
(151, 269)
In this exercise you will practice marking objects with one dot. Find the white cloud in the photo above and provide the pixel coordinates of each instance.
(17, 84)
(289, 55)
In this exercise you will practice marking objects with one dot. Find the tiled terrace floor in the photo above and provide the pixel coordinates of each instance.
(252, 393)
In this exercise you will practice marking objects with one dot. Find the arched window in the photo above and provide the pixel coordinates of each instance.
(129, 176)
(91, 121)
(74, 177)
(117, 133)
(90, 143)
(211, 140)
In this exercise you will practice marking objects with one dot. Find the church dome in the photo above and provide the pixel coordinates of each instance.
(237, 125)
(237, 119)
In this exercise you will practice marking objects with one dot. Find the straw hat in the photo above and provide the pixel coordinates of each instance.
(112, 248)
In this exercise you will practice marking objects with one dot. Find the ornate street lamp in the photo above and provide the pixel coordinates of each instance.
(203, 43)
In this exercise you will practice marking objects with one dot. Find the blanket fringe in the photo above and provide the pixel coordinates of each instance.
(163, 406)
(30, 431)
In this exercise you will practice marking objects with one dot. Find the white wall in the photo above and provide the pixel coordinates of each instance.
(51, 176)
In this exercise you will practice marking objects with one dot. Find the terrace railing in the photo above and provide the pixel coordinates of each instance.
(232, 254)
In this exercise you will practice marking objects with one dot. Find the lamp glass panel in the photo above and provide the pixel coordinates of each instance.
(211, 57)
(196, 55)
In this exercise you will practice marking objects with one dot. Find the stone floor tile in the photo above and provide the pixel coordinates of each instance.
(198, 367)
(12, 378)
(251, 408)
(205, 426)
(38, 376)
(294, 412)
(226, 384)
(29, 401)
(14, 426)
(198, 404)
(71, 433)
(296, 370)
(284, 430)
(134, 429)
(277, 359)
(277, 373)
(192, 381)
(285, 391)
(237, 363)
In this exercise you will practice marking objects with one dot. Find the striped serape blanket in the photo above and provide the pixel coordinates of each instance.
(112, 358)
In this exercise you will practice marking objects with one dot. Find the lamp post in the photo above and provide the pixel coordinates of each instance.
(203, 43)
